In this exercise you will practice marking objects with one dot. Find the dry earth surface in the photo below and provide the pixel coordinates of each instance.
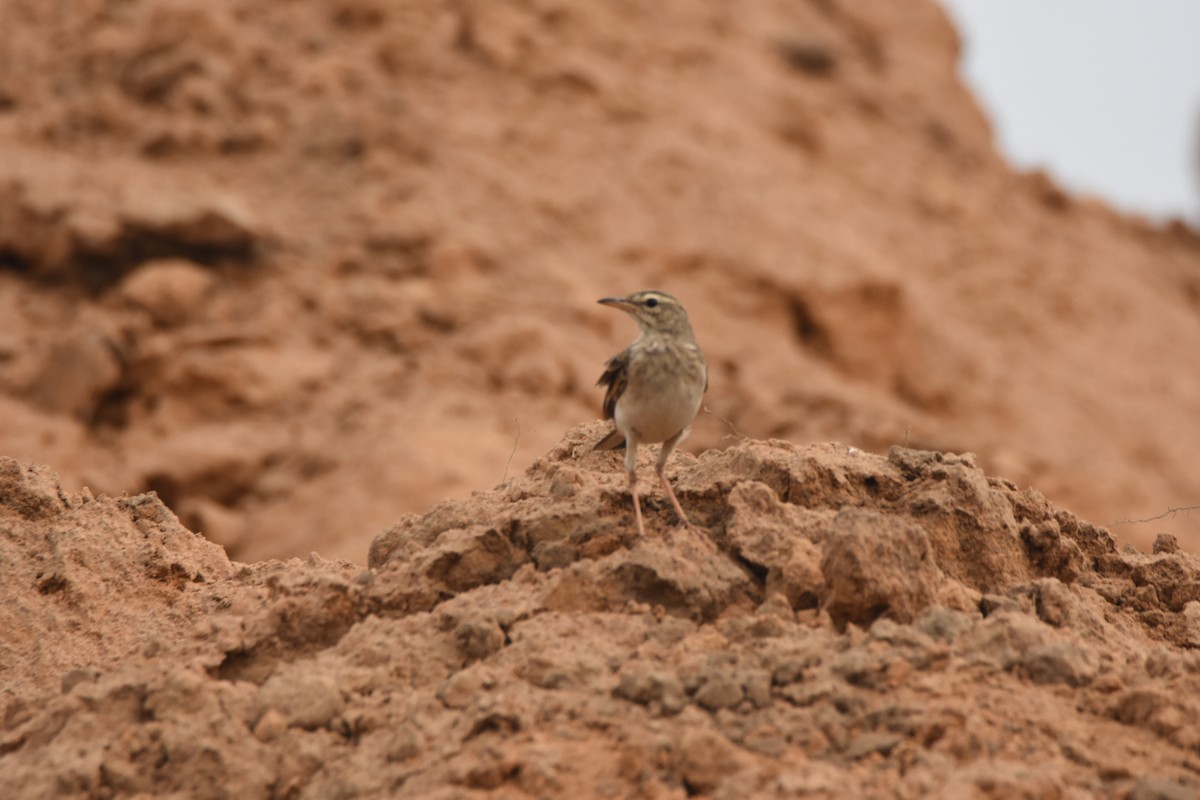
(839, 624)
(303, 267)
(283, 274)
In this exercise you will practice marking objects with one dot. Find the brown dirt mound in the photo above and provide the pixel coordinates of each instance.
(838, 624)
(303, 267)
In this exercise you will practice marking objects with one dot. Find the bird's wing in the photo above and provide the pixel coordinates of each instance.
(615, 378)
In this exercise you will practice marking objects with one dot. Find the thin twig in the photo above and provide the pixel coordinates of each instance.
(736, 433)
(516, 441)
(907, 428)
(1170, 512)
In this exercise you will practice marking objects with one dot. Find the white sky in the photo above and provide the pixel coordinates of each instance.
(1105, 94)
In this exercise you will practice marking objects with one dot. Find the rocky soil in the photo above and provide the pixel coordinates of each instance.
(837, 624)
(300, 268)
(276, 277)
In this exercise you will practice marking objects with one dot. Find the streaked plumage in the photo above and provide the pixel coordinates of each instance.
(653, 387)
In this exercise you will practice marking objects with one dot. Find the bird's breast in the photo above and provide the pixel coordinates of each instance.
(666, 385)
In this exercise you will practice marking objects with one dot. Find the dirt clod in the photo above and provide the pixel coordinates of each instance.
(525, 678)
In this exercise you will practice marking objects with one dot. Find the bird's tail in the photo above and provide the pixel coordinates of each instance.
(614, 441)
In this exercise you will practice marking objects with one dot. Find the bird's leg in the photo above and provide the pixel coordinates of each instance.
(637, 507)
(661, 467)
(631, 470)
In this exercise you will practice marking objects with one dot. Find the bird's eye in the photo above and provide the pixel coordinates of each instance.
(652, 302)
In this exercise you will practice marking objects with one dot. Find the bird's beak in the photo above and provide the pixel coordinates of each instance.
(618, 302)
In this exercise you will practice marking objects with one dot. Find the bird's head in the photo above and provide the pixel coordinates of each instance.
(654, 311)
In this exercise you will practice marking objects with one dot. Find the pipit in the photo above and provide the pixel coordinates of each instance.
(654, 386)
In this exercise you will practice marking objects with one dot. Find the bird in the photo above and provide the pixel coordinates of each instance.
(653, 387)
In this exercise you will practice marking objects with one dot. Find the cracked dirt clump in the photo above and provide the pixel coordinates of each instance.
(824, 630)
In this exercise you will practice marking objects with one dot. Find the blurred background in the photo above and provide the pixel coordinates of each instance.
(305, 268)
